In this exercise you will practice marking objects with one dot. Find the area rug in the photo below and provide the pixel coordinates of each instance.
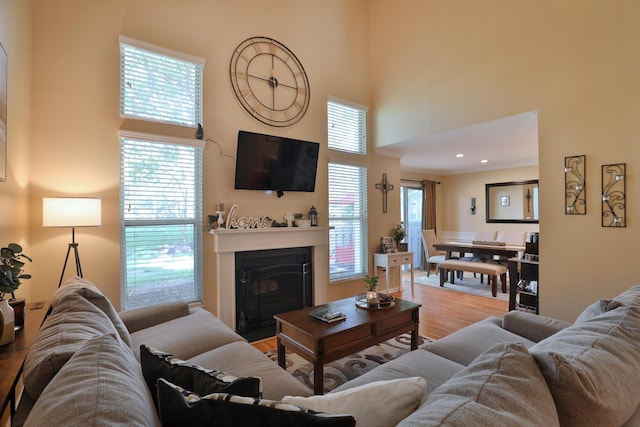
(468, 285)
(342, 370)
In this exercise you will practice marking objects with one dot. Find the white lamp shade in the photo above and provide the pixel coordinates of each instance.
(71, 212)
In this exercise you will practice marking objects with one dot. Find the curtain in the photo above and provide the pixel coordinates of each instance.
(429, 205)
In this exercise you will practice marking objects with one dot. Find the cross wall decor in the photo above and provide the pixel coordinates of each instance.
(385, 187)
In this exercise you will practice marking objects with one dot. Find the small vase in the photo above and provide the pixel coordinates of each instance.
(7, 333)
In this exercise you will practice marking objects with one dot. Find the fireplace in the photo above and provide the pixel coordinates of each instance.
(269, 282)
(227, 243)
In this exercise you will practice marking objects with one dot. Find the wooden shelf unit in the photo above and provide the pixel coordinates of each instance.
(521, 269)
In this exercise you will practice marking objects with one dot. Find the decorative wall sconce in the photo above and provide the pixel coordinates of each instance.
(575, 199)
(473, 206)
(614, 195)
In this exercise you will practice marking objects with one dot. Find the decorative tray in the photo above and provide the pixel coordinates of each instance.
(361, 302)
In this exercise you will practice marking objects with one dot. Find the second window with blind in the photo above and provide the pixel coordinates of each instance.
(347, 192)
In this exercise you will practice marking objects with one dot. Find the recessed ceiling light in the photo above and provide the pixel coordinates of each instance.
(460, 155)
(484, 161)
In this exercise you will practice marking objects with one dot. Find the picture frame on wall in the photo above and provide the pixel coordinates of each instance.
(3, 114)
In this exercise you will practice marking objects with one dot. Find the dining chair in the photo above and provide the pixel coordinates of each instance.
(431, 255)
(511, 238)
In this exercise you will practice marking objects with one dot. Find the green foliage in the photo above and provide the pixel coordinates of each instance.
(372, 282)
(11, 271)
(398, 233)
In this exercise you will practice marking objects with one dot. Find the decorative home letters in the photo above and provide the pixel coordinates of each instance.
(244, 222)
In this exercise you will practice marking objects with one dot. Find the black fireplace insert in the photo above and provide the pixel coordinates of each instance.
(269, 282)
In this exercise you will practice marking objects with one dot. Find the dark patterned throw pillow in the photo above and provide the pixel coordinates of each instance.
(157, 364)
(179, 407)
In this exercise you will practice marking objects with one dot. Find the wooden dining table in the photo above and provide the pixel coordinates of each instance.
(507, 251)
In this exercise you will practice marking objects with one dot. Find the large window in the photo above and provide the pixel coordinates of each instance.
(160, 178)
(159, 84)
(347, 193)
(161, 222)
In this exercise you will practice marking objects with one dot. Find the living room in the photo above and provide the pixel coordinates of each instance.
(420, 67)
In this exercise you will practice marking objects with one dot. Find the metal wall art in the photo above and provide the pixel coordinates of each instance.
(614, 195)
(575, 200)
(385, 187)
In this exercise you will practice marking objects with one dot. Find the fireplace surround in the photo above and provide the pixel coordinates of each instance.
(228, 242)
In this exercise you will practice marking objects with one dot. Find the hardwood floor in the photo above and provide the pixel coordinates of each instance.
(443, 311)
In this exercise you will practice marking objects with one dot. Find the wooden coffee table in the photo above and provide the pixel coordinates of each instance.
(320, 342)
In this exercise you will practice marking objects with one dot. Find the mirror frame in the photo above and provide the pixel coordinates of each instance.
(504, 184)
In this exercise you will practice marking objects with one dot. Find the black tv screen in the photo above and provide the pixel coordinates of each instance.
(266, 162)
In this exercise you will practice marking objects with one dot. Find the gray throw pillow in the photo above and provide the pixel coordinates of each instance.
(593, 368)
(501, 387)
(596, 309)
(73, 321)
(101, 385)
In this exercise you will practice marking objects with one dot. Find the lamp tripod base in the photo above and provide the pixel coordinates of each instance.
(73, 245)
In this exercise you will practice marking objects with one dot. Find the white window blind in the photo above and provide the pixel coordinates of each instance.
(160, 85)
(161, 222)
(348, 219)
(347, 128)
(348, 245)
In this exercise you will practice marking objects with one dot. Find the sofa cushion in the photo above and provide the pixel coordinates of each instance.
(101, 385)
(501, 387)
(146, 317)
(181, 407)
(435, 369)
(91, 292)
(532, 326)
(245, 360)
(464, 345)
(593, 368)
(597, 308)
(157, 364)
(363, 402)
(186, 336)
(73, 321)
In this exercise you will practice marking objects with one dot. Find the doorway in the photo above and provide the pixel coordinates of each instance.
(411, 205)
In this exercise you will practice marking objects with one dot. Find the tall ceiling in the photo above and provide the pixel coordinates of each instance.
(504, 143)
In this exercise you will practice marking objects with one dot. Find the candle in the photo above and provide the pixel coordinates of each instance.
(220, 207)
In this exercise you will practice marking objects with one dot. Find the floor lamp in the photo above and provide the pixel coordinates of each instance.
(71, 212)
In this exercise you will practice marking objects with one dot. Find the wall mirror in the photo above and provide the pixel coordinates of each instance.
(515, 201)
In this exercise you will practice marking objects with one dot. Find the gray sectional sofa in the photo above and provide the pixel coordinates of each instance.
(84, 366)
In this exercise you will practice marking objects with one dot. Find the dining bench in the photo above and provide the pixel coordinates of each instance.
(490, 269)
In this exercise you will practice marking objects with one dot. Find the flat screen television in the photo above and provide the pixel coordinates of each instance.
(266, 162)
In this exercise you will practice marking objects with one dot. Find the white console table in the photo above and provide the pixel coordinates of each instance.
(394, 259)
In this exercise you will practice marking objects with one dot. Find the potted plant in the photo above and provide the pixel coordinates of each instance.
(11, 274)
(398, 234)
(372, 293)
(300, 221)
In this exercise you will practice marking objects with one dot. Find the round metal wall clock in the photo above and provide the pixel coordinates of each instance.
(269, 81)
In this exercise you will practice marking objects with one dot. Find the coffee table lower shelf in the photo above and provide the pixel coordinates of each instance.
(321, 343)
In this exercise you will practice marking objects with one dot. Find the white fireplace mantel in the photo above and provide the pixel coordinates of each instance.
(228, 242)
